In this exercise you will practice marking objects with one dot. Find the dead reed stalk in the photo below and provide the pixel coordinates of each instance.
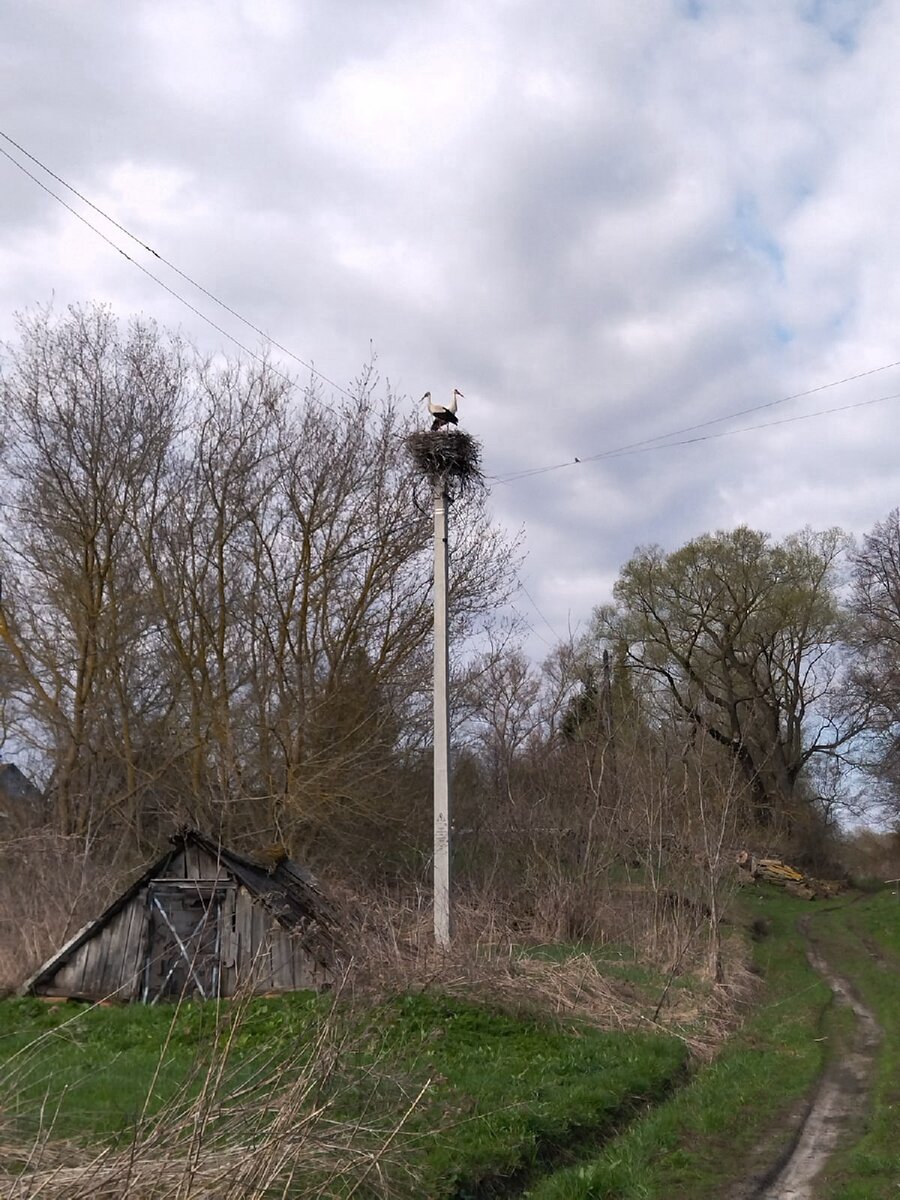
(49, 886)
(284, 1126)
(496, 957)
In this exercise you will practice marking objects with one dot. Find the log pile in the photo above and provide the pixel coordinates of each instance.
(773, 870)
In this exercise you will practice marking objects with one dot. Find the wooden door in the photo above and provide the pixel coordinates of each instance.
(185, 932)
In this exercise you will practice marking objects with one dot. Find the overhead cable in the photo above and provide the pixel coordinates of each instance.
(654, 442)
(533, 603)
(165, 261)
(649, 444)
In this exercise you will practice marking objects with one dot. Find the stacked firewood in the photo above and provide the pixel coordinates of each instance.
(773, 870)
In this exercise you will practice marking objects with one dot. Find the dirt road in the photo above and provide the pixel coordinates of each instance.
(840, 1098)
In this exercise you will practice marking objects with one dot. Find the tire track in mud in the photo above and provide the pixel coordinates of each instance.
(839, 1099)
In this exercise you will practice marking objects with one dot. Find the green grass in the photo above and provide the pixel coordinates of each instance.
(522, 1088)
(507, 1092)
(687, 1147)
(92, 1068)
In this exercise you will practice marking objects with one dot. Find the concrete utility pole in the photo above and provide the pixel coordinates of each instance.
(442, 922)
(449, 459)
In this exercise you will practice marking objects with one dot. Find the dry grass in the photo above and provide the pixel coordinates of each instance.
(302, 1155)
(490, 960)
(284, 1132)
(50, 885)
(278, 1133)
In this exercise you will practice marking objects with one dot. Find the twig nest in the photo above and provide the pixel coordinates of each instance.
(447, 455)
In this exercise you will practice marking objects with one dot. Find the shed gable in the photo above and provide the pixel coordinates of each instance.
(200, 922)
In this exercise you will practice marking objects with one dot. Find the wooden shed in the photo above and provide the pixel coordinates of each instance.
(202, 922)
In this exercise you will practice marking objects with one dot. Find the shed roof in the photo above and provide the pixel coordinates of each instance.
(19, 798)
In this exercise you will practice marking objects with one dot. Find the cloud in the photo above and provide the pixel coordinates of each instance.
(602, 223)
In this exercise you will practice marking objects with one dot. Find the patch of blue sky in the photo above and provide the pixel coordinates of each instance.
(840, 20)
(801, 191)
(752, 233)
(694, 10)
(839, 320)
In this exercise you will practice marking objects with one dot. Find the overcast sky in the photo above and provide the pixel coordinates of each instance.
(602, 220)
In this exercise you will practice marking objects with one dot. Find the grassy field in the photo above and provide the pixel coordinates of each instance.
(502, 1093)
(693, 1144)
(735, 1115)
(432, 1095)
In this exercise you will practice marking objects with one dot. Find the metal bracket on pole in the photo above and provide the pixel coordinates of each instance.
(442, 921)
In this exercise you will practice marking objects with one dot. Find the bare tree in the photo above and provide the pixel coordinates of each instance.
(216, 587)
(89, 414)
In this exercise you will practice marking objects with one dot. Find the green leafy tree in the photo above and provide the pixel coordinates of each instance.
(743, 637)
(875, 604)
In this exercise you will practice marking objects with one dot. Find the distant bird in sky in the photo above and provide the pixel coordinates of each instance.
(444, 414)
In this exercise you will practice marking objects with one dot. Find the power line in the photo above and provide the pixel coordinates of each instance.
(640, 446)
(144, 269)
(643, 447)
(531, 629)
(166, 262)
(533, 603)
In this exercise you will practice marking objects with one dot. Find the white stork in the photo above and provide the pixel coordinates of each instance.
(444, 414)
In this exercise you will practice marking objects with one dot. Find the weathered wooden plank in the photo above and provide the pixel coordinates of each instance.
(114, 939)
(273, 941)
(220, 871)
(69, 975)
(262, 948)
(244, 938)
(144, 952)
(288, 944)
(84, 958)
(282, 966)
(299, 972)
(177, 868)
(292, 960)
(111, 946)
(118, 969)
(133, 947)
(153, 971)
(257, 949)
(304, 968)
(93, 955)
(104, 966)
(192, 862)
(82, 980)
(229, 953)
(204, 866)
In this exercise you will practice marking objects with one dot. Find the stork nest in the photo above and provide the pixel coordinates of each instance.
(447, 455)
